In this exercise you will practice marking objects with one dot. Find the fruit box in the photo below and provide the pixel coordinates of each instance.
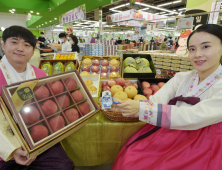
(139, 75)
(100, 66)
(58, 124)
(96, 83)
(66, 53)
(132, 80)
(64, 62)
(152, 81)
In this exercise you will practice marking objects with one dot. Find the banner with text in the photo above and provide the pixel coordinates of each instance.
(77, 14)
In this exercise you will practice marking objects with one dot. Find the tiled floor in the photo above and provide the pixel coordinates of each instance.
(98, 167)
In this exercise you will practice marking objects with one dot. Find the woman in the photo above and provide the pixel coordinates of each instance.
(184, 130)
(18, 45)
(74, 41)
(163, 45)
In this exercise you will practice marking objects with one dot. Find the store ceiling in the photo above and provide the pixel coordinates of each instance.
(46, 12)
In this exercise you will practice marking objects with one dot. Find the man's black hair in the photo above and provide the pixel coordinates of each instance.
(19, 32)
(61, 35)
(42, 33)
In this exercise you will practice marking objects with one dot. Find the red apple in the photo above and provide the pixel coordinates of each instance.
(120, 81)
(135, 85)
(105, 63)
(57, 123)
(106, 88)
(96, 63)
(30, 114)
(95, 69)
(114, 69)
(38, 132)
(104, 84)
(111, 82)
(127, 82)
(169, 72)
(104, 69)
(86, 68)
(147, 91)
(145, 84)
(104, 75)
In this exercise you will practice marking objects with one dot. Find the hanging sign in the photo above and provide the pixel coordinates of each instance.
(185, 23)
(159, 24)
(77, 14)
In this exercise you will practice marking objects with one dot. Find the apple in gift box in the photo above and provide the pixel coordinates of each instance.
(120, 81)
(70, 83)
(105, 63)
(96, 63)
(111, 82)
(114, 69)
(84, 108)
(30, 114)
(38, 132)
(41, 92)
(86, 68)
(95, 69)
(57, 123)
(104, 69)
(57, 87)
(72, 115)
(104, 75)
(147, 91)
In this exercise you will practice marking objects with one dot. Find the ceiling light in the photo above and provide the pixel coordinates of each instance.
(45, 22)
(162, 12)
(12, 12)
(174, 10)
(55, 18)
(120, 6)
(114, 10)
(145, 9)
(31, 11)
(50, 21)
(42, 24)
(162, 9)
(13, 9)
(181, 9)
(37, 13)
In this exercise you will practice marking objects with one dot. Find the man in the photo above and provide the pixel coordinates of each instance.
(41, 40)
(170, 41)
(141, 39)
(119, 41)
(66, 46)
(152, 40)
(18, 45)
(1, 51)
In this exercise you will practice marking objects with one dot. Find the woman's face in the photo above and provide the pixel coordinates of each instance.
(205, 51)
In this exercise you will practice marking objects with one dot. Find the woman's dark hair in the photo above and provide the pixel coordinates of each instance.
(213, 29)
(61, 35)
(19, 32)
(165, 39)
(74, 38)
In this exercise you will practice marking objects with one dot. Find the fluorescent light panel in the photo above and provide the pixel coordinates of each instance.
(169, 3)
(162, 9)
(181, 9)
(120, 6)
(144, 9)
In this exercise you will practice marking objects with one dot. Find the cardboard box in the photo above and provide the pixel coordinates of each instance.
(139, 75)
(64, 62)
(22, 130)
(100, 59)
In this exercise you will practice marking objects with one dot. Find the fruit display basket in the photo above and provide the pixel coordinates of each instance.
(107, 67)
(58, 66)
(61, 105)
(139, 75)
(117, 116)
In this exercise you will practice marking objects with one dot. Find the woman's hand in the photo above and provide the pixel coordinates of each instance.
(127, 107)
(20, 157)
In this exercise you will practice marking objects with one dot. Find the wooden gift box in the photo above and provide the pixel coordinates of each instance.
(100, 59)
(64, 62)
(21, 130)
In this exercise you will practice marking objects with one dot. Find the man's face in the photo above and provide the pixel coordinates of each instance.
(17, 50)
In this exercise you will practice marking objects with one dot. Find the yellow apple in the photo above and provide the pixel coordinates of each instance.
(120, 95)
(140, 97)
(115, 89)
(131, 91)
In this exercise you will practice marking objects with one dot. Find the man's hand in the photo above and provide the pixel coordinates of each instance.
(20, 157)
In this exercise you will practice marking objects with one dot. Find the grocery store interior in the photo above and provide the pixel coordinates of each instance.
(138, 45)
